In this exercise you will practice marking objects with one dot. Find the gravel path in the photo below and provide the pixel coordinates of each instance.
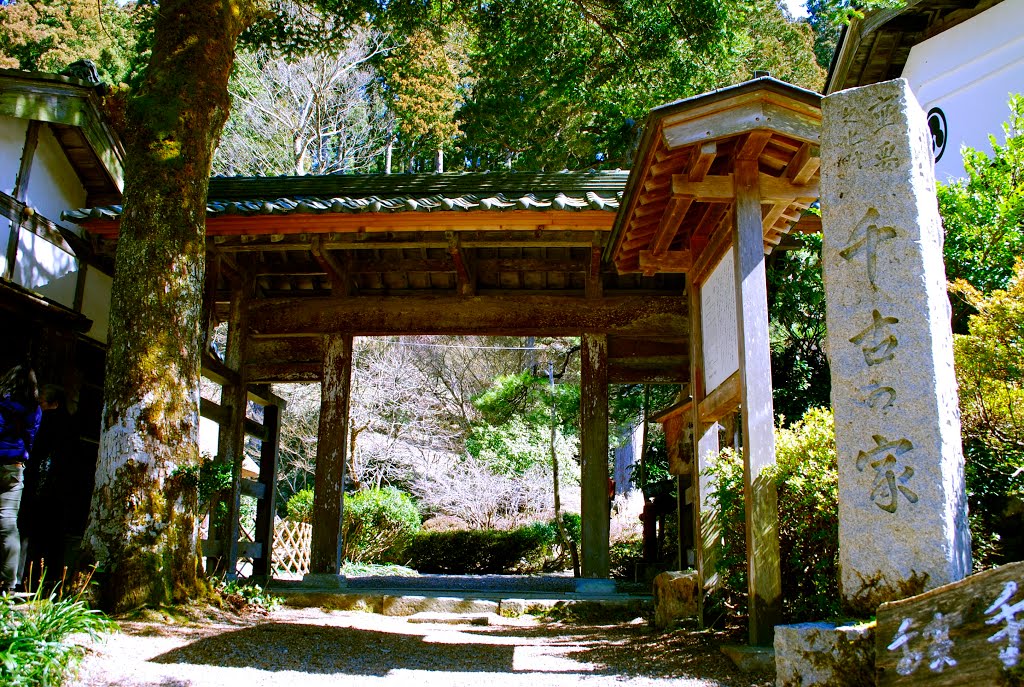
(310, 647)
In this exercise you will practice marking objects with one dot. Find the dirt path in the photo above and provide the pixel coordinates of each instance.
(310, 647)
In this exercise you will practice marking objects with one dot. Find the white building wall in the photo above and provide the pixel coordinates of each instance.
(53, 187)
(968, 72)
(96, 303)
(12, 140)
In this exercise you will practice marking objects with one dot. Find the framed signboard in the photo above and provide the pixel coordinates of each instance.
(718, 323)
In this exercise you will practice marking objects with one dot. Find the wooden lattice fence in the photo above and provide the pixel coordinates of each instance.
(292, 542)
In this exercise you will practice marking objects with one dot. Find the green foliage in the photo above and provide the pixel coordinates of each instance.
(624, 556)
(806, 477)
(247, 594)
(990, 374)
(350, 569)
(796, 308)
(827, 18)
(377, 524)
(983, 216)
(34, 646)
(300, 506)
(479, 552)
(48, 35)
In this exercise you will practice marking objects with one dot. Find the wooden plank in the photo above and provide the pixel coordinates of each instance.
(332, 446)
(724, 400)
(251, 487)
(595, 561)
(341, 282)
(719, 189)
(672, 261)
(711, 254)
(964, 633)
(637, 315)
(213, 548)
(624, 373)
(702, 163)
(28, 153)
(465, 275)
(753, 144)
(266, 508)
(805, 163)
(668, 227)
(763, 568)
(594, 287)
(231, 438)
(284, 373)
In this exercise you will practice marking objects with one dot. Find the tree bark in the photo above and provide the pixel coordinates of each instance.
(142, 529)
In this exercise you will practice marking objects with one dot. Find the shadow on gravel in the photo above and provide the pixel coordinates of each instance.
(326, 650)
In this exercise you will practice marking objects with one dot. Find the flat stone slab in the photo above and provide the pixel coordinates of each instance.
(751, 659)
(824, 655)
(451, 618)
(676, 596)
(323, 581)
(411, 605)
(476, 583)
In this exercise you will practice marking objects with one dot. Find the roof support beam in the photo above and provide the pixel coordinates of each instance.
(464, 272)
(341, 283)
(645, 315)
(721, 189)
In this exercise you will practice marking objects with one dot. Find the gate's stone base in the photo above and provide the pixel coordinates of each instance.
(824, 655)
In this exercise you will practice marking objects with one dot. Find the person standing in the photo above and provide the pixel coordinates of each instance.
(19, 420)
(51, 477)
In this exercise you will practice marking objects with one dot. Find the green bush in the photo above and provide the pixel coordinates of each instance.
(624, 556)
(479, 552)
(377, 525)
(33, 647)
(300, 506)
(806, 477)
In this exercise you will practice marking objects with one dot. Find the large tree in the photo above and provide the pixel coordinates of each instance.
(142, 529)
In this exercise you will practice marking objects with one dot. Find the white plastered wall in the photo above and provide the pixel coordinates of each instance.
(969, 72)
(42, 266)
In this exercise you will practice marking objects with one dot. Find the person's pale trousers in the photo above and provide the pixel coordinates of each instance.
(12, 483)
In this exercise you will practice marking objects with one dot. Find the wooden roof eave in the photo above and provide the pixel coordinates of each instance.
(64, 101)
(761, 105)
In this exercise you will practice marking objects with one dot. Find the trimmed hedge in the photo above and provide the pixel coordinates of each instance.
(481, 552)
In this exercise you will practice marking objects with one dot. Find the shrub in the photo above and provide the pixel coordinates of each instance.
(33, 634)
(300, 506)
(806, 477)
(477, 552)
(377, 524)
(624, 556)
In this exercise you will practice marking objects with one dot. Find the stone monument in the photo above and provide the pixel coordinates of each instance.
(902, 505)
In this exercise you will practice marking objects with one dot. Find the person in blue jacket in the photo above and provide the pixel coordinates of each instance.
(19, 420)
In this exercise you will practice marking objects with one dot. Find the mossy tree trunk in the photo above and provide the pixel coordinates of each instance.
(142, 529)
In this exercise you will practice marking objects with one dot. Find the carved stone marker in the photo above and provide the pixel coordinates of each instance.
(902, 505)
(965, 633)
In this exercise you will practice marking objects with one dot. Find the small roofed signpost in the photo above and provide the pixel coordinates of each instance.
(720, 180)
(902, 504)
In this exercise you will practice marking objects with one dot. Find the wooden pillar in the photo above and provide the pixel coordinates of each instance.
(764, 577)
(594, 451)
(231, 438)
(266, 506)
(328, 492)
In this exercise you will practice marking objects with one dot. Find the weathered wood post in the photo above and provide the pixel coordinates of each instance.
(594, 453)
(902, 504)
(231, 438)
(328, 490)
(764, 579)
(262, 566)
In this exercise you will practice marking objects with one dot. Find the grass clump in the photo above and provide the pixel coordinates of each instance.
(34, 634)
(247, 596)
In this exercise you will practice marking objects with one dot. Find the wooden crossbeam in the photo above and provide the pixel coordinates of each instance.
(671, 261)
(336, 272)
(804, 164)
(640, 315)
(678, 206)
(721, 189)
